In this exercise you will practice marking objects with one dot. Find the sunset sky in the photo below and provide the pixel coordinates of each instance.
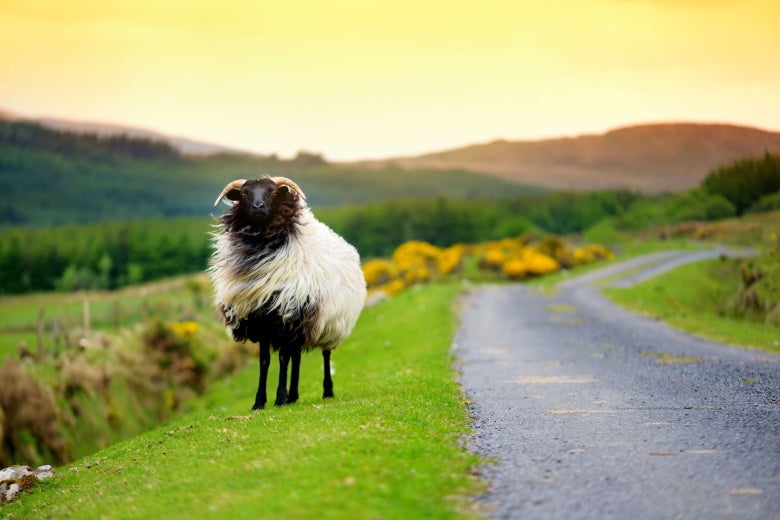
(367, 79)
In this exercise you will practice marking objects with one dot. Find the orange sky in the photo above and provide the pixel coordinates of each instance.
(364, 78)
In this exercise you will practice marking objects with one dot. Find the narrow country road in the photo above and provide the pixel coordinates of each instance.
(590, 411)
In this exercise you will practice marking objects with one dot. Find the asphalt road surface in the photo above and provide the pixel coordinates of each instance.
(589, 411)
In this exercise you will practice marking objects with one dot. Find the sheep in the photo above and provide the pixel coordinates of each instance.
(283, 279)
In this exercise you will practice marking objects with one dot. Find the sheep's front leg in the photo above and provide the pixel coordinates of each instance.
(327, 382)
(281, 389)
(292, 395)
(265, 362)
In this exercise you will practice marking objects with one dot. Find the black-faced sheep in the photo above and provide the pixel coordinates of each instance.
(283, 279)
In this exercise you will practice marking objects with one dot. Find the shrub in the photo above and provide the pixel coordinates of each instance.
(451, 259)
(745, 182)
(767, 203)
(412, 263)
(172, 346)
(493, 259)
(515, 269)
(698, 204)
(539, 264)
(528, 261)
(31, 423)
(591, 253)
(379, 271)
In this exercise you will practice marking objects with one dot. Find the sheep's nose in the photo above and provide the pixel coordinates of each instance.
(258, 205)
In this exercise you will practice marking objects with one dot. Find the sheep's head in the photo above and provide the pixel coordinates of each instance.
(258, 201)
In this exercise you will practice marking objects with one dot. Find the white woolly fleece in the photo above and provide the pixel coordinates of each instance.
(315, 265)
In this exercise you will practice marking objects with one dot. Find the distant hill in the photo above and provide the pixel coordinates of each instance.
(55, 177)
(651, 158)
(182, 144)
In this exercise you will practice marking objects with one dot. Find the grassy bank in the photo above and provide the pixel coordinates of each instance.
(697, 298)
(732, 301)
(388, 446)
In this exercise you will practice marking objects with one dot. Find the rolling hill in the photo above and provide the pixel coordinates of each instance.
(651, 158)
(54, 177)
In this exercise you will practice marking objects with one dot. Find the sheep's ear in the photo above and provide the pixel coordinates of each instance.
(284, 191)
(284, 181)
(234, 194)
(287, 194)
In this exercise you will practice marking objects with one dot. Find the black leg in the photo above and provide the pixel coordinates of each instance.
(265, 362)
(281, 390)
(327, 382)
(295, 357)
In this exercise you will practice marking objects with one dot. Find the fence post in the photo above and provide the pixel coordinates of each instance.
(144, 306)
(117, 314)
(85, 307)
(56, 334)
(41, 353)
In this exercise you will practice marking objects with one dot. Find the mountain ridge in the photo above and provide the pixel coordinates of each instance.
(651, 157)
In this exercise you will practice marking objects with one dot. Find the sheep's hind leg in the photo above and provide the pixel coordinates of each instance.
(281, 389)
(292, 395)
(265, 362)
(327, 382)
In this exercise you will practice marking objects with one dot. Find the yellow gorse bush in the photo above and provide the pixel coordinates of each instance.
(184, 329)
(494, 258)
(527, 261)
(412, 263)
(379, 271)
(515, 258)
(450, 259)
(590, 253)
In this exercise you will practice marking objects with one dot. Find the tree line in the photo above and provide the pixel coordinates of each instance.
(100, 256)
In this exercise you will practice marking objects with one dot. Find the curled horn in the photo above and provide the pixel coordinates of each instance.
(230, 186)
(284, 181)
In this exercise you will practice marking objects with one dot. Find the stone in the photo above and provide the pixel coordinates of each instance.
(15, 479)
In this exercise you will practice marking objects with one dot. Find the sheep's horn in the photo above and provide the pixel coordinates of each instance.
(284, 181)
(230, 186)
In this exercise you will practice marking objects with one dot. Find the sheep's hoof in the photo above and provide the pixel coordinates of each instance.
(258, 406)
(328, 394)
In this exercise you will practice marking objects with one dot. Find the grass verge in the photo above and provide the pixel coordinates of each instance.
(692, 298)
(388, 446)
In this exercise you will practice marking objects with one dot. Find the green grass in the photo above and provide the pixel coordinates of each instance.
(691, 298)
(388, 446)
